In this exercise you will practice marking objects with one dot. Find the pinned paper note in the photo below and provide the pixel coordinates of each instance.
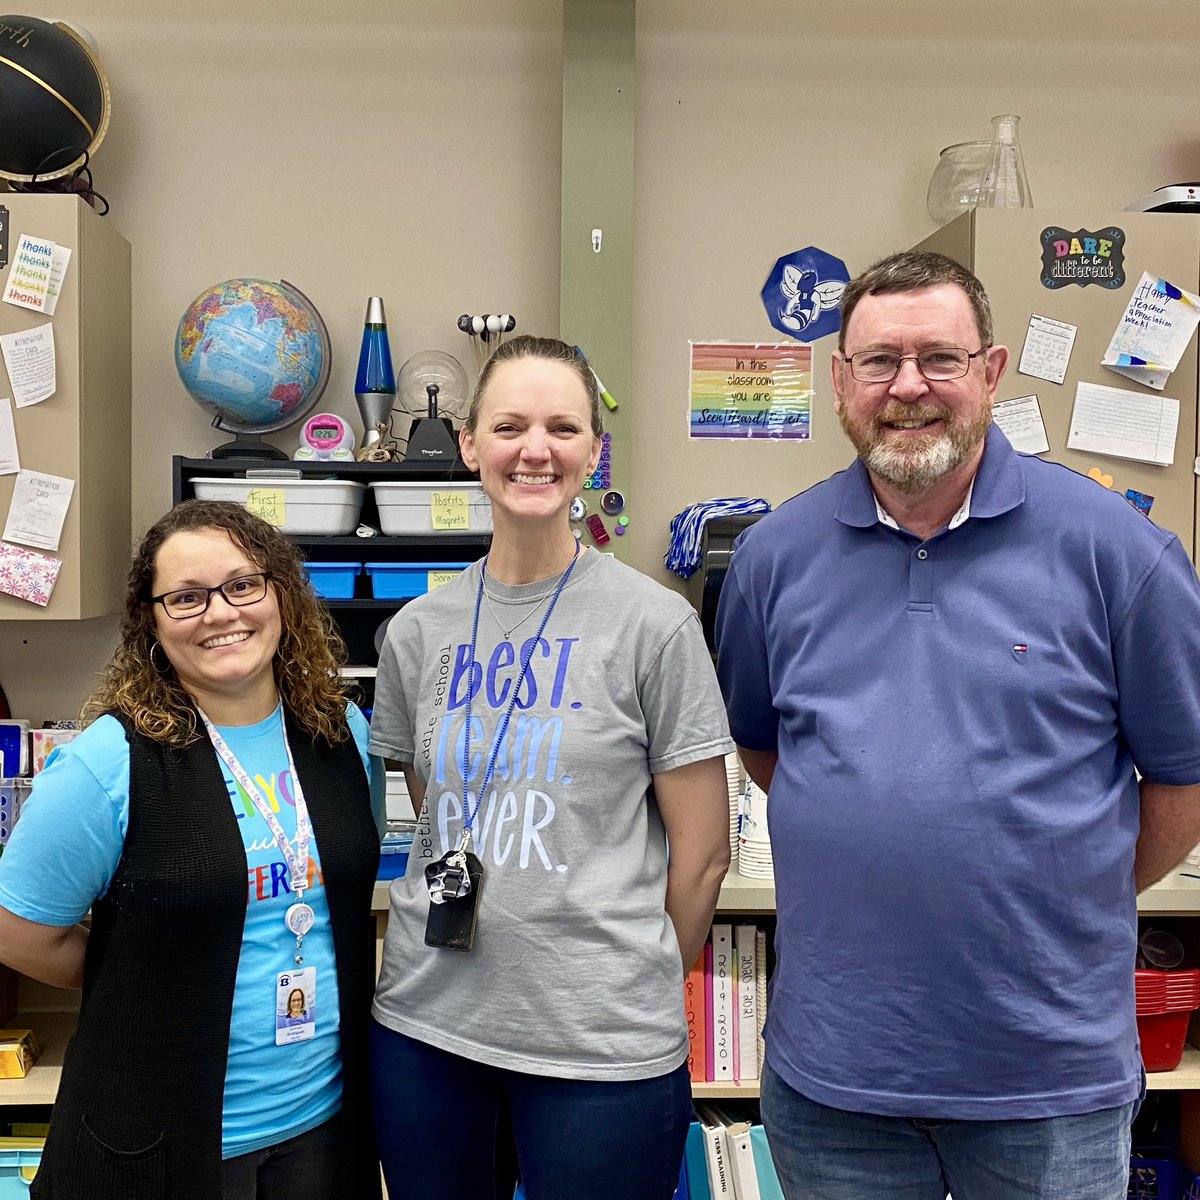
(437, 579)
(1020, 421)
(270, 504)
(1154, 332)
(1123, 424)
(29, 361)
(58, 270)
(29, 278)
(449, 510)
(27, 574)
(38, 509)
(10, 461)
(1047, 349)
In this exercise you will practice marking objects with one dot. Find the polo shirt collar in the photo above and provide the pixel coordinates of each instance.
(998, 487)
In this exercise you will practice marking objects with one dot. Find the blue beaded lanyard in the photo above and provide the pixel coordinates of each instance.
(464, 841)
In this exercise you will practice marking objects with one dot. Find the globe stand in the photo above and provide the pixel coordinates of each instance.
(245, 445)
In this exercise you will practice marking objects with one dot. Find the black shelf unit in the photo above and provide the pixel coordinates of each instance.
(358, 618)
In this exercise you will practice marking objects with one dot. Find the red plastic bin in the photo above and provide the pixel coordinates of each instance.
(1165, 1001)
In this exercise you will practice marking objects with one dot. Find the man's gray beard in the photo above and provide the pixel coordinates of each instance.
(911, 473)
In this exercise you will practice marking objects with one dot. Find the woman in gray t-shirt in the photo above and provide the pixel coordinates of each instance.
(537, 946)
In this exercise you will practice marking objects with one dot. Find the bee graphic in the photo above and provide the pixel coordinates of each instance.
(805, 298)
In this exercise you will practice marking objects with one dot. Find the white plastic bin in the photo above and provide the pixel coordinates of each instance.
(432, 509)
(305, 506)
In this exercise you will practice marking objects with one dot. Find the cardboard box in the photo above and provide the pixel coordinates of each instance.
(19, 1050)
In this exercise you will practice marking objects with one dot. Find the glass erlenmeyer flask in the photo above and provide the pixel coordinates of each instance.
(1005, 184)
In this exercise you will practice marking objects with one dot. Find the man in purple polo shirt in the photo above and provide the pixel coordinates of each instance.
(944, 664)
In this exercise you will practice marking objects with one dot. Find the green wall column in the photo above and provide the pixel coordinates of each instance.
(596, 289)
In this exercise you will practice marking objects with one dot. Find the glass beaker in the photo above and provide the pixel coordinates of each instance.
(1005, 184)
(954, 184)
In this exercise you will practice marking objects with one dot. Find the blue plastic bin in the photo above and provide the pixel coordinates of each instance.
(1156, 1179)
(403, 581)
(333, 580)
(19, 1161)
(392, 866)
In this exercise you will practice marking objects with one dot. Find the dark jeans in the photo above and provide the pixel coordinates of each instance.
(302, 1168)
(437, 1115)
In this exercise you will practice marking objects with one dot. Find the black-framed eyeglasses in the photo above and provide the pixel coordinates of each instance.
(191, 602)
(936, 364)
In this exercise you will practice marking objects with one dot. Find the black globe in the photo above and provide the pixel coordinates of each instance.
(54, 102)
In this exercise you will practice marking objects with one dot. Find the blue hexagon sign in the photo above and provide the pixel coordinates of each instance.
(803, 294)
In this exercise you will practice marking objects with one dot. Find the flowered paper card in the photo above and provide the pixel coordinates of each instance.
(27, 574)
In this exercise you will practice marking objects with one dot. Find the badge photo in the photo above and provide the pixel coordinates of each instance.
(295, 1006)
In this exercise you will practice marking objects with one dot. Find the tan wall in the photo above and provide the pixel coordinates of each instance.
(409, 150)
(412, 149)
(767, 126)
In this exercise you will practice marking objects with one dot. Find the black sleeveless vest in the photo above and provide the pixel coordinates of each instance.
(138, 1114)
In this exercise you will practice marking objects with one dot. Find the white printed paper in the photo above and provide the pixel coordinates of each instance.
(1154, 332)
(29, 360)
(58, 270)
(38, 510)
(29, 275)
(1124, 424)
(1047, 349)
(1020, 421)
(10, 461)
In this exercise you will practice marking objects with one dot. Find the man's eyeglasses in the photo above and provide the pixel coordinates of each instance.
(939, 364)
(191, 602)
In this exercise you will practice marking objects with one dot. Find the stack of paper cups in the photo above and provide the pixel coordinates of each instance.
(754, 845)
(733, 778)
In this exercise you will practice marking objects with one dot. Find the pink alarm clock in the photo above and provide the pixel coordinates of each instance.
(326, 437)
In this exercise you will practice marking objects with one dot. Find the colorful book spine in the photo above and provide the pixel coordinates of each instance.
(722, 986)
(693, 1007)
(746, 1021)
(695, 1162)
(764, 1165)
(708, 1012)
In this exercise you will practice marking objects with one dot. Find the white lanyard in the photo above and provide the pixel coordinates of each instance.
(299, 917)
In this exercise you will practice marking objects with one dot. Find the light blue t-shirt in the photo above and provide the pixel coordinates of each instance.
(64, 851)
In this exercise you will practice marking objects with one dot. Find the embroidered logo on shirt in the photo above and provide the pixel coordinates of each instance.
(1020, 650)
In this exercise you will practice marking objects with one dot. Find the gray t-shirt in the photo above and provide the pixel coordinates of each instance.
(575, 971)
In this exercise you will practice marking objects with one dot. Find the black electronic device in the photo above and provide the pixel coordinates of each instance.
(716, 552)
(1174, 198)
(431, 438)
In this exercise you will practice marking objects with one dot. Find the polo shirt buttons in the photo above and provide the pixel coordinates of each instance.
(922, 553)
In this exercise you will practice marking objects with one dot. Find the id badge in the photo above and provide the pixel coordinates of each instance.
(295, 1006)
(451, 921)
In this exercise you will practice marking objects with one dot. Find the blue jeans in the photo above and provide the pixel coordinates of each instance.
(437, 1113)
(826, 1154)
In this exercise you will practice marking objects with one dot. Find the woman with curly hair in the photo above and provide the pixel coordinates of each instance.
(217, 817)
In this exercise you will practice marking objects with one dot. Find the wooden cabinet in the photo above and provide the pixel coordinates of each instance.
(82, 431)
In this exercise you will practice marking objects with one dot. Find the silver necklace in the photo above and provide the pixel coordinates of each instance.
(510, 630)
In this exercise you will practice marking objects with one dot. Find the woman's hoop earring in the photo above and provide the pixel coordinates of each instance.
(166, 664)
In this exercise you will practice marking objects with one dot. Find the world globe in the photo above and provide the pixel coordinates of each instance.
(256, 356)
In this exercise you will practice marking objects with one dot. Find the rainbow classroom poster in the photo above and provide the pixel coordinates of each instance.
(750, 390)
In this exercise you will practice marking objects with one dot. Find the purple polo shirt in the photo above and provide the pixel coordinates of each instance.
(954, 812)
